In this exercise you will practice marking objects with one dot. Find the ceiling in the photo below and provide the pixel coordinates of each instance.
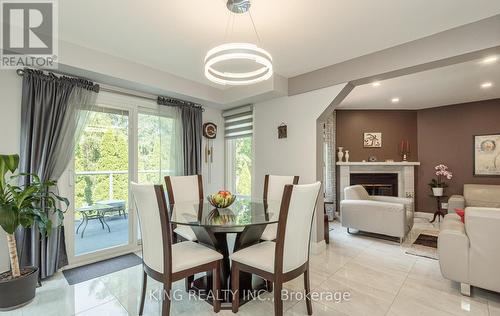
(459, 83)
(174, 35)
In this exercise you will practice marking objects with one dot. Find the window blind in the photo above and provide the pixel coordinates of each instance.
(238, 122)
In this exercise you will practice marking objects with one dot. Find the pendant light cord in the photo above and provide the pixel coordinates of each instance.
(254, 28)
(230, 24)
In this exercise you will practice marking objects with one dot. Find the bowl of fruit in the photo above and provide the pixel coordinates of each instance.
(221, 199)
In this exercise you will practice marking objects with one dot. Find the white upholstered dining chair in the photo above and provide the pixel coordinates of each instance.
(273, 191)
(163, 261)
(288, 257)
(184, 189)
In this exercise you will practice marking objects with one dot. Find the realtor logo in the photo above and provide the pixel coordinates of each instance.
(28, 33)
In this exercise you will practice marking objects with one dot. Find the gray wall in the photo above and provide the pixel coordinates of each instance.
(10, 123)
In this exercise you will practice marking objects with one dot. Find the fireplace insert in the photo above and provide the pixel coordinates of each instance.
(377, 183)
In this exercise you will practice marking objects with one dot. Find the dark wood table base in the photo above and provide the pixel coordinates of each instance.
(217, 239)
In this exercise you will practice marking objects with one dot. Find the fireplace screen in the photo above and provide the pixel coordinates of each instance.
(377, 183)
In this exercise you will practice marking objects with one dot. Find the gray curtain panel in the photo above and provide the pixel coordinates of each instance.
(192, 134)
(192, 124)
(53, 111)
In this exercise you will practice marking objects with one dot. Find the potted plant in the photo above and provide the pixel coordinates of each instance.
(28, 205)
(437, 184)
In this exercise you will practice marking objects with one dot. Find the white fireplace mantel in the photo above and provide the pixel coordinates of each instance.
(405, 171)
(379, 163)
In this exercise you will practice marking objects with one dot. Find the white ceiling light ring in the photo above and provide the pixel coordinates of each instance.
(224, 80)
(238, 51)
(243, 47)
(229, 52)
(266, 65)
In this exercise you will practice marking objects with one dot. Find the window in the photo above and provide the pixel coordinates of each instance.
(159, 135)
(238, 134)
(239, 165)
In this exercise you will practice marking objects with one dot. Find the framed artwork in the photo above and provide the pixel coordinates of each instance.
(487, 155)
(282, 131)
(372, 140)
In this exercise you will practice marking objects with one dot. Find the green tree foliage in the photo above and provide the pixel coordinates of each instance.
(243, 165)
(102, 147)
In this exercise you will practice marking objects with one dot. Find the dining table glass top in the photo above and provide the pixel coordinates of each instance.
(242, 213)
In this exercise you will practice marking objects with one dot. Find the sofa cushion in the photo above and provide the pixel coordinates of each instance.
(482, 195)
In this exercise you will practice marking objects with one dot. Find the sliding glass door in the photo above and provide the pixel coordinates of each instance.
(101, 197)
(159, 145)
(125, 139)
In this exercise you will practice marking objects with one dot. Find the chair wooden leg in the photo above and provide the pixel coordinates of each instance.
(235, 285)
(216, 288)
(143, 294)
(269, 285)
(278, 303)
(188, 281)
(307, 288)
(167, 291)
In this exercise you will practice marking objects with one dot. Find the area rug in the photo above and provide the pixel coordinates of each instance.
(425, 245)
(101, 268)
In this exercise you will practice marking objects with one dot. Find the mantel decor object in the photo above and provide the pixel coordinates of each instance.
(346, 155)
(340, 154)
(404, 150)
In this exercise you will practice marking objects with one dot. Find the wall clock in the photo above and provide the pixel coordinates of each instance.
(209, 130)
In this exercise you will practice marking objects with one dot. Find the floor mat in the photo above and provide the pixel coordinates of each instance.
(98, 269)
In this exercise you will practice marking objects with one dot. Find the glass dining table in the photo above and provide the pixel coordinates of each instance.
(243, 221)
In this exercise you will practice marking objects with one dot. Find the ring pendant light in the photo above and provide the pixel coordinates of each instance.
(236, 52)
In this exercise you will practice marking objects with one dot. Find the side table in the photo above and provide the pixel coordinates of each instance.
(439, 211)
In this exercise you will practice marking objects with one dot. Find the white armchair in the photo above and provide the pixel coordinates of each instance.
(387, 215)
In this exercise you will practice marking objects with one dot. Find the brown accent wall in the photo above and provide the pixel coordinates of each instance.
(437, 135)
(445, 135)
(394, 126)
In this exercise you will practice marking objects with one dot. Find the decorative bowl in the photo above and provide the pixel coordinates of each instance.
(221, 199)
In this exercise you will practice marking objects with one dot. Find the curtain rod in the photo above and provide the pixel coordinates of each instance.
(115, 89)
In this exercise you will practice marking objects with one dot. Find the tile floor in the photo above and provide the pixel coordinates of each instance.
(380, 278)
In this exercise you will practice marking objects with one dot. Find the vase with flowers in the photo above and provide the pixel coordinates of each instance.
(438, 184)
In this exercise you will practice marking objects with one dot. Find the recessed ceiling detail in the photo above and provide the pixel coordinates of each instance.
(469, 81)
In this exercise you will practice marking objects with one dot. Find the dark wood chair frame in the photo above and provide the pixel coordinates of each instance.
(266, 185)
(167, 277)
(269, 284)
(278, 277)
(171, 200)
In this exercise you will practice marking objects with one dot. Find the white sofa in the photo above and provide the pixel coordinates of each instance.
(478, 195)
(470, 253)
(387, 215)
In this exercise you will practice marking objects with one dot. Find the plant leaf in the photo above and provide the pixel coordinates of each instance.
(9, 219)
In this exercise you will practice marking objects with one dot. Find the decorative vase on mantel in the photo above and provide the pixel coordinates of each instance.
(346, 156)
(340, 154)
(438, 191)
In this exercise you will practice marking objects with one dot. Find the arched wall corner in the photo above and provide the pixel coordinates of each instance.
(344, 92)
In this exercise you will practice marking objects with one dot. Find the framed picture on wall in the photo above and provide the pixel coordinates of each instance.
(487, 155)
(372, 140)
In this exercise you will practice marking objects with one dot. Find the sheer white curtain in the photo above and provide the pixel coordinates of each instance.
(160, 144)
